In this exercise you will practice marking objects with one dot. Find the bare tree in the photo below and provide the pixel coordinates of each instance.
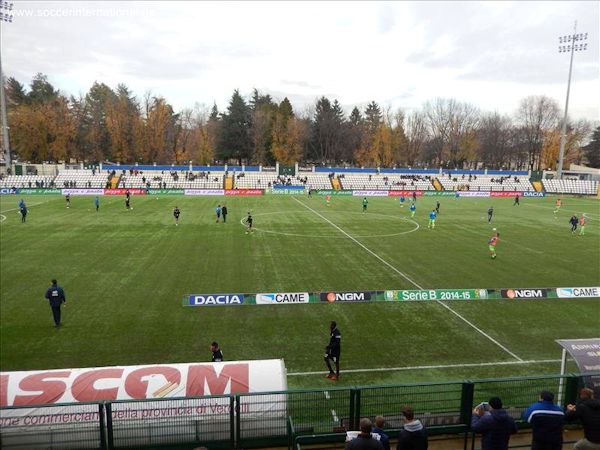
(416, 137)
(537, 115)
(494, 135)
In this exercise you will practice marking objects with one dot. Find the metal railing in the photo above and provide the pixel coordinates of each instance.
(288, 418)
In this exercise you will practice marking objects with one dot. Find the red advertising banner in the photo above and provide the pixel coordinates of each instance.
(243, 192)
(505, 194)
(122, 191)
(140, 382)
(405, 193)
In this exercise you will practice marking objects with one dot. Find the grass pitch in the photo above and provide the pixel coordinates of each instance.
(125, 274)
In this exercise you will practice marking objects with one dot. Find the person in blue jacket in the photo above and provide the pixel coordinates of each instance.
(546, 421)
(56, 296)
(494, 425)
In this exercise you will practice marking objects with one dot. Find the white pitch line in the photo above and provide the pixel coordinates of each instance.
(444, 366)
(406, 277)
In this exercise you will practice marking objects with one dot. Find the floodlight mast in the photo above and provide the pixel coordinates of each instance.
(5, 16)
(571, 41)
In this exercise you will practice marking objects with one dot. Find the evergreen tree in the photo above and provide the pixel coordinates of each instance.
(235, 136)
(592, 150)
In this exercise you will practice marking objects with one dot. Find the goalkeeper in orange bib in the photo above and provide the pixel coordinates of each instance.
(328, 199)
(492, 244)
(558, 205)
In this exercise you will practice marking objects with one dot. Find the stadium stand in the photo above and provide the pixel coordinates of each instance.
(26, 181)
(571, 186)
(386, 181)
(172, 179)
(452, 182)
(81, 178)
(265, 180)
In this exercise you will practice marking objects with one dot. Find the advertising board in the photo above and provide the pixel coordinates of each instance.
(370, 193)
(204, 192)
(436, 294)
(244, 192)
(123, 191)
(282, 298)
(405, 193)
(75, 191)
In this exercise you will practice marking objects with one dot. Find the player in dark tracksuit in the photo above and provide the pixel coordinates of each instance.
(332, 351)
(56, 297)
(490, 213)
(224, 213)
(127, 199)
(176, 213)
(217, 354)
(23, 210)
(249, 224)
(573, 221)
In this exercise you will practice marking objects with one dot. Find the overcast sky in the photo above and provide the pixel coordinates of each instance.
(399, 54)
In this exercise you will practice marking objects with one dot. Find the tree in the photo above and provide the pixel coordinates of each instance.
(15, 93)
(327, 130)
(416, 137)
(537, 115)
(591, 151)
(159, 131)
(97, 141)
(494, 136)
(124, 125)
(40, 90)
(235, 140)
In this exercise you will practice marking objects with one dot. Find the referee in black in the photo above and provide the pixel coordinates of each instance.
(56, 296)
(217, 354)
(332, 351)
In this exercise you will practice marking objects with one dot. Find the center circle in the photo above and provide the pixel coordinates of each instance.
(337, 234)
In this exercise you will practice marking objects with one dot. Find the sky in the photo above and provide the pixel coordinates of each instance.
(399, 54)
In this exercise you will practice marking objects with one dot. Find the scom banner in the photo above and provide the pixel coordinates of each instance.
(42, 387)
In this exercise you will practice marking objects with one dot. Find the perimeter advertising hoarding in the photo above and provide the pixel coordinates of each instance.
(473, 194)
(204, 192)
(333, 192)
(74, 191)
(123, 191)
(436, 294)
(38, 191)
(504, 194)
(159, 389)
(405, 193)
(165, 192)
(369, 193)
(534, 194)
(6, 191)
(440, 194)
(286, 191)
(246, 192)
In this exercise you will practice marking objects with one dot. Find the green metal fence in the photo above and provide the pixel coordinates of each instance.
(292, 418)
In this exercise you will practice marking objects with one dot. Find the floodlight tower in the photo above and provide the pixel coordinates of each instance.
(5, 16)
(568, 43)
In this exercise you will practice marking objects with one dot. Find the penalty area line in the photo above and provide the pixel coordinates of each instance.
(442, 366)
(407, 278)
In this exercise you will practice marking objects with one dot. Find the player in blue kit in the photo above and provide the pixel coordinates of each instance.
(432, 217)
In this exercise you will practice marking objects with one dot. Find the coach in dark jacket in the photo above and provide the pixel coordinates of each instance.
(56, 297)
(588, 411)
(495, 425)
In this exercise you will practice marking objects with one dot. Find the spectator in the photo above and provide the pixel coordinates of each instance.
(587, 411)
(495, 425)
(364, 440)
(378, 428)
(413, 435)
(546, 421)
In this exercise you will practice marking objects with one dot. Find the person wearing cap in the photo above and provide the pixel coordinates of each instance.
(495, 425)
(364, 440)
(546, 421)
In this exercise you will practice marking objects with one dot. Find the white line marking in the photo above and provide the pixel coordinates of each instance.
(3, 217)
(445, 366)
(406, 277)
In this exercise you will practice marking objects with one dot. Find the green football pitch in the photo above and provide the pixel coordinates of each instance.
(125, 274)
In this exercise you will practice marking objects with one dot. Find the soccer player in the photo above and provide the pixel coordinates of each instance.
(218, 211)
(582, 222)
(68, 200)
(249, 224)
(437, 207)
(333, 350)
(97, 203)
(573, 221)
(402, 201)
(365, 203)
(492, 244)
(23, 211)
(217, 354)
(176, 213)
(432, 217)
(224, 212)
(327, 199)
(558, 205)
(413, 210)
(490, 213)
(516, 200)
(127, 203)
(414, 196)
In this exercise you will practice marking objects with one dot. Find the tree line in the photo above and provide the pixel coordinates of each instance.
(114, 125)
